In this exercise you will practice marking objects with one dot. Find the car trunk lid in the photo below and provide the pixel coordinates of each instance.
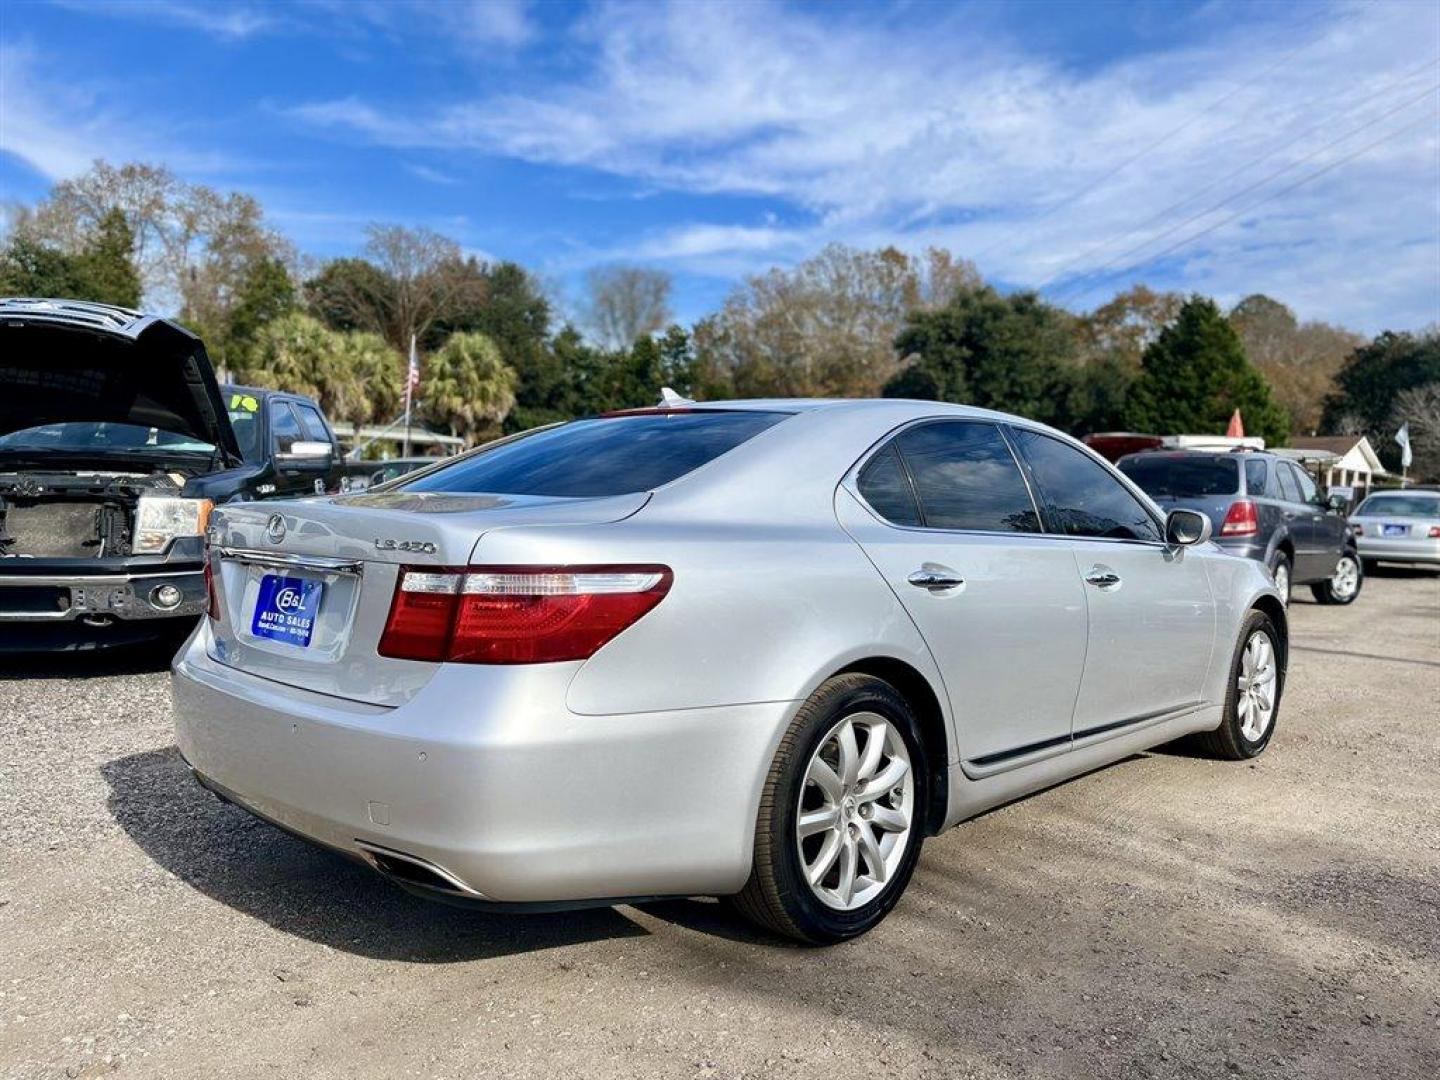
(335, 563)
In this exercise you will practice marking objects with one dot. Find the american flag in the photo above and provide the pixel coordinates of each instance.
(412, 378)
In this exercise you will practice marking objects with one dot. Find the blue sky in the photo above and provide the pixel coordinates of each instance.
(1229, 148)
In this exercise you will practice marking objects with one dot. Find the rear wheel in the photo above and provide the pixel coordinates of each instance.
(1280, 571)
(1257, 679)
(840, 822)
(1343, 586)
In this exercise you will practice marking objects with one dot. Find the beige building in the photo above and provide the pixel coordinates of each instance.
(1344, 460)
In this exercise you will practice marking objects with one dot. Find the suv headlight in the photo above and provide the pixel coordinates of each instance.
(161, 518)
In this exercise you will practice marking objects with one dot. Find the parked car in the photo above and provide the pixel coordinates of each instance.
(1398, 527)
(1262, 506)
(758, 649)
(287, 441)
(114, 446)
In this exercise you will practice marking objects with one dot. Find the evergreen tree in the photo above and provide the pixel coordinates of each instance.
(1013, 353)
(1373, 377)
(1195, 375)
(107, 265)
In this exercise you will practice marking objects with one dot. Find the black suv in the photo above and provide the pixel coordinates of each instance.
(1263, 506)
(115, 442)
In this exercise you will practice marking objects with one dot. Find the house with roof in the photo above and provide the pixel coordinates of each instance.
(1344, 461)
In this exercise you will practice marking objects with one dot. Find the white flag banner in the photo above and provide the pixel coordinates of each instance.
(1402, 437)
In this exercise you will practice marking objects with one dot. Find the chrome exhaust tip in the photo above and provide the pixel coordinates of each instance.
(412, 871)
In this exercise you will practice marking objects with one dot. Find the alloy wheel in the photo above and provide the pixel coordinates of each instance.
(857, 810)
(1281, 575)
(1346, 579)
(1255, 686)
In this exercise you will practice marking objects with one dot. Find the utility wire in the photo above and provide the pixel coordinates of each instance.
(1427, 92)
(1424, 120)
(1162, 214)
(1172, 133)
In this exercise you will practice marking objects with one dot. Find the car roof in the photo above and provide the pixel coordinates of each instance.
(835, 405)
(260, 391)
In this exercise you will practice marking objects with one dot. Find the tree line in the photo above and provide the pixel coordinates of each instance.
(497, 354)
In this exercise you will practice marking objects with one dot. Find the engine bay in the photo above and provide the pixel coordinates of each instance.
(74, 515)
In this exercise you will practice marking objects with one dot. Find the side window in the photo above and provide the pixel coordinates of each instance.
(284, 428)
(314, 423)
(886, 488)
(1308, 490)
(1289, 490)
(966, 478)
(1087, 500)
(1255, 470)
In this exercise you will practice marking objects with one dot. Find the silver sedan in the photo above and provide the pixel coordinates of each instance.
(1398, 527)
(756, 649)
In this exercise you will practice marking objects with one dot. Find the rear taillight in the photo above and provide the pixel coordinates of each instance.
(1241, 519)
(516, 614)
(1357, 529)
(1435, 532)
(212, 600)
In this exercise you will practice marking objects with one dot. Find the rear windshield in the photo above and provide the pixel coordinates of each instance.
(1183, 477)
(1402, 505)
(615, 455)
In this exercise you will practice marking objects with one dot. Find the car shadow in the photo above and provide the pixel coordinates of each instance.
(310, 892)
(141, 658)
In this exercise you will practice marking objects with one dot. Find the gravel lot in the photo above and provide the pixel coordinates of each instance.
(1165, 917)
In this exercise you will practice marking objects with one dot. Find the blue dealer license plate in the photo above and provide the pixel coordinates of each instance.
(286, 609)
(1394, 530)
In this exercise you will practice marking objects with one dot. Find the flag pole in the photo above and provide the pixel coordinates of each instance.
(410, 371)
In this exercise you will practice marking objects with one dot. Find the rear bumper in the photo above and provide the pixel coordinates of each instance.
(1402, 550)
(515, 801)
(1246, 547)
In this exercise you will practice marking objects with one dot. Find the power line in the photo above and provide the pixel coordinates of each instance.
(1282, 191)
(1162, 214)
(1427, 92)
(1172, 133)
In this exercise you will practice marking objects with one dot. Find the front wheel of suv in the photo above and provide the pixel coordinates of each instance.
(1343, 586)
(841, 815)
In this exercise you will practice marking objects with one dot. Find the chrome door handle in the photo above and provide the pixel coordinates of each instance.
(935, 578)
(1102, 578)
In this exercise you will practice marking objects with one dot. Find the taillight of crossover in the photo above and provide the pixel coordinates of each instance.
(1241, 519)
(516, 614)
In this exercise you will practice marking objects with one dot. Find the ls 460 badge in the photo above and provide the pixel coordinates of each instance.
(423, 547)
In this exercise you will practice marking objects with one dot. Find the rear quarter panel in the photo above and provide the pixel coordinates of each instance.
(1237, 585)
(757, 612)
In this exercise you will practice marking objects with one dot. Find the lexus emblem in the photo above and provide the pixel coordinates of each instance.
(275, 528)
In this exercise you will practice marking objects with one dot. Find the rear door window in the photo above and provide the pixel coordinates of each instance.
(1289, 489)
(966, 478)
(883, 484)
(1084, 499)
(614, 455)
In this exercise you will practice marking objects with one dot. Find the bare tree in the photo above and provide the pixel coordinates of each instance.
(627, 303)
(828, 326)
(1299, 359)
(1419, 408)
(410, 281)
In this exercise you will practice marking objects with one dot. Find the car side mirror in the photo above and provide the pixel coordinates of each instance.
(301, 450)
(1187, 527)
(1338, 503)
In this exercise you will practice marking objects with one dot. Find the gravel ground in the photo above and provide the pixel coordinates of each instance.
(1165, 917)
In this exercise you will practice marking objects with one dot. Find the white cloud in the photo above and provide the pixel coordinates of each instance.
(430, 175)
(58, 126)
(224, 20)
(887, 133)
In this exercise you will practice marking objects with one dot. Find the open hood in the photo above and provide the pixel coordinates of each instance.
(69, 361)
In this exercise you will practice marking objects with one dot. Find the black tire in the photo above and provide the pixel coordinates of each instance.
(1228, 742)
(1281, 559)
(777, 896)
(1324, 591)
